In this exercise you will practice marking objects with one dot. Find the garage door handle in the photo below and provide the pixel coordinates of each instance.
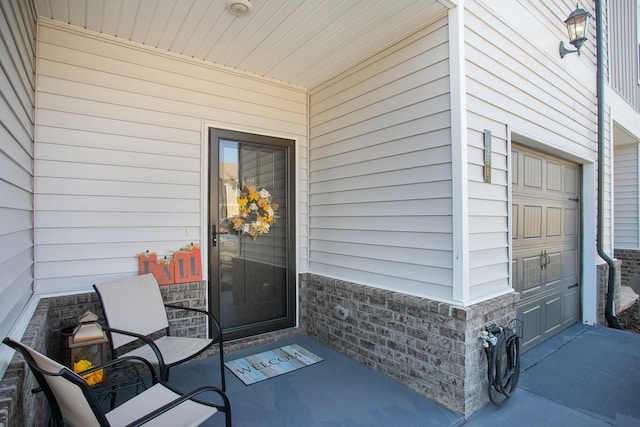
(572, 286)
(545, 259)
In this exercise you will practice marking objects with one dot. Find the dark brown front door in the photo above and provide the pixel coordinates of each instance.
(252, 252)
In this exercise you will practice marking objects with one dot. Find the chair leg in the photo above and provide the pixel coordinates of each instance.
(222, 378)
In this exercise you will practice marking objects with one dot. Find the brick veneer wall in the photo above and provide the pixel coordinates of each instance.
(22, 408)
(430, 346)
(602, 271)
(630, 269)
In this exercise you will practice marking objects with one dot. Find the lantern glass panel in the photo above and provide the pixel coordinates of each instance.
(85, 355)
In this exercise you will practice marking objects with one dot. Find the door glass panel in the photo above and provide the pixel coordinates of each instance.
(250, 257)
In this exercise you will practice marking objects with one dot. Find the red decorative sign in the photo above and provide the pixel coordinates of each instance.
(185, 266)
(188, 265)
(147, 262)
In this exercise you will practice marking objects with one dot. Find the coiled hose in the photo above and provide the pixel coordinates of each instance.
(502, 347)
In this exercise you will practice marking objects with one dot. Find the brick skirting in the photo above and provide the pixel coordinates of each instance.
(430, 346)
(602, 271)
(630, 269)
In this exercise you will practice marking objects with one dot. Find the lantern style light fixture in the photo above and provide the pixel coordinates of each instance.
(88, 347)
(577, 25)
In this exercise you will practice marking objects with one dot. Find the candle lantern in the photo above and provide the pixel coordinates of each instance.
(88, 347)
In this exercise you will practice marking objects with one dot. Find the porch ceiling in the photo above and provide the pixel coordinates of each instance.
(300, 42)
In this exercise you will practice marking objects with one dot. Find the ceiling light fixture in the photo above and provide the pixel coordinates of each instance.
(239, 7)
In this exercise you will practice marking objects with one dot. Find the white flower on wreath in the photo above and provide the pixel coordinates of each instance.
(257, 211)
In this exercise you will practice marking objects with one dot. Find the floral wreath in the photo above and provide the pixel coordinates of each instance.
(257, 211)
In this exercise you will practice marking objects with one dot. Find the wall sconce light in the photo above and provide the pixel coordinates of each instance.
(578, 25)
(239, 7)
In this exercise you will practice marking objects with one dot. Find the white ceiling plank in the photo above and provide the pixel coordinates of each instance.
(381, 36)
(303, 40)
(339, 33)
(175, 24)
(93, 18)
(144, 19)
(110, 16)
(273, 39)
(162, 21)
(200, 35)
(240, 38)
(299, 42)
(77, 11)
(43, 7)
(127, 20)
(59, 11)
(192, 20)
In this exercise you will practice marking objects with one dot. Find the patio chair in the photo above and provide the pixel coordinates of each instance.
(73, 401)
(134, 310)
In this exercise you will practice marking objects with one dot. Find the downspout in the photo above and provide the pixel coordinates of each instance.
(609, 311)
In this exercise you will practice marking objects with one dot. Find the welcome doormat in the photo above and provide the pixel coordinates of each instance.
(269, 364)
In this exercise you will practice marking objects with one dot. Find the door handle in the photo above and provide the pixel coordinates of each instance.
(214, 235)
(548, 259)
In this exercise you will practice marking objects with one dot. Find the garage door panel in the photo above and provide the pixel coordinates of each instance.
(531, 324)
(554, 267)
(553, 318)
(532, 274)
(570, 265)
(571, 221)
(532, 219)
(532, 172)
(554, 177)
(554, 222)
(571, 313)
(572, 180)
(546, 233)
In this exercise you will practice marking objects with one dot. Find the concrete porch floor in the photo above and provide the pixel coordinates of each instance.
(584, 376)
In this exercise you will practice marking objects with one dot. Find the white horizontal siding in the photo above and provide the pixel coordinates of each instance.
(17, 71)
(626, 221)
(119, 150)
(550, 104)
(380, 170)
(624, 50)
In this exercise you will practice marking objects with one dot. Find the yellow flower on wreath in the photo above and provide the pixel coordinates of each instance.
(257, 211)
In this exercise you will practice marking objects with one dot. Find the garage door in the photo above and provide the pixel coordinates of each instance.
(546, 232)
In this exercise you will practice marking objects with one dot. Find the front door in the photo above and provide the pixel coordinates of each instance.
(252, 251)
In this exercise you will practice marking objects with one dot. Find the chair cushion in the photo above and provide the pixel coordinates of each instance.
(173, 349)
(188, 413)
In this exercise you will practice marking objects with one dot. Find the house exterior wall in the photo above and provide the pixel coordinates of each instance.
(626, 197)
(552, 110)
(380, 170)
(625, 74)
(121, 162)
(17, 82)
(388, 223)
